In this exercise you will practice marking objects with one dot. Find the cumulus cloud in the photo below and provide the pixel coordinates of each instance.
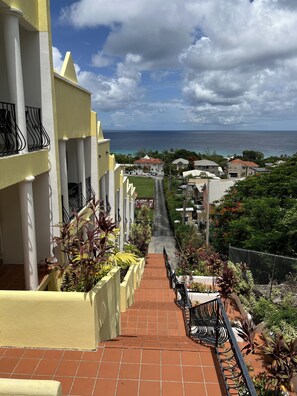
(57, 59)
(238, 58)
(114, 93)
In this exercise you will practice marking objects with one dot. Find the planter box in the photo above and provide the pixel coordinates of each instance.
(202, 297)
(131, 283)
(138, 272)
(127, 289)
(50, 319)
(206, 280)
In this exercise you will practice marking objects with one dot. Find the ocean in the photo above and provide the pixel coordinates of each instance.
(226, 143)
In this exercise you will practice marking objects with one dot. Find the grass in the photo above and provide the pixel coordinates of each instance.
(145, 186)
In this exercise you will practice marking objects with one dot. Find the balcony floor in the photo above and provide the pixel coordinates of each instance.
(152, 356)
(12, 276)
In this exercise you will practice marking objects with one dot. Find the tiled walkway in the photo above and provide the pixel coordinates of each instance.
(152, 356)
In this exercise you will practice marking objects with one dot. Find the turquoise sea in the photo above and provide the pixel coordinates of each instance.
(222, 142)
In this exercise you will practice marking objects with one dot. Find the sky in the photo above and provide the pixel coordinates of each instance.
(183, 64)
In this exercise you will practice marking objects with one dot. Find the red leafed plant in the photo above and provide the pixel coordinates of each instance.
(226, 282)
(280, 360)
(86, 245)
(247, 331)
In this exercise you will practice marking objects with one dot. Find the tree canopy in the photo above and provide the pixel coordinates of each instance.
(260, 213)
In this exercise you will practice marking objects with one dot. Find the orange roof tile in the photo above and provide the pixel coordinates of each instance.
(246, 163)
(150, 161)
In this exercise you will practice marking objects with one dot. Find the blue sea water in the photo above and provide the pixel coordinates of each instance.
(222, 142)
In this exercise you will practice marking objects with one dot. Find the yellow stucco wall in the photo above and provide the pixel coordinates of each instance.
(112, 162)
(103, 152)
(35, 12)
(93, 123)
(73, 109)
(61, 319)
(16, 168)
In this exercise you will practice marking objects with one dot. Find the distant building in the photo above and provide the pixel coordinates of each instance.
(150, 164)
(217, 189)
(194, 173)
(181, 163)
(207, 166)
(238, 168)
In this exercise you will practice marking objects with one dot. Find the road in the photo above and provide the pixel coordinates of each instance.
(162, 234)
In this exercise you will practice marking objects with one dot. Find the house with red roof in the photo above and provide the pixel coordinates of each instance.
(150, 165)
(238, 168)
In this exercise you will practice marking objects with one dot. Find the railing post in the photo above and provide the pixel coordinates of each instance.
(217, 324)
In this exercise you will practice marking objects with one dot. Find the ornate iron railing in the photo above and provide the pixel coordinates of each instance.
(65, 214)
(36, 133)
(77, 201)
(89, 189)
(11, 138)
(209, 323)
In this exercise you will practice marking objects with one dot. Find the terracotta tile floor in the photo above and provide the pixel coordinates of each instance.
(152, 356)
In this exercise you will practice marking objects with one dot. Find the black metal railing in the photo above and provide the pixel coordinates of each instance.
(36, 133)
(108, 206)
(118, 219)
(65, 214)
(209, 323)
(11, 138)
(90, 193)
(77, 201)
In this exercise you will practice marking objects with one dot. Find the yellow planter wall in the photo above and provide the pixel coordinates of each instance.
(61, 320)
(138, 272)
(127, 290)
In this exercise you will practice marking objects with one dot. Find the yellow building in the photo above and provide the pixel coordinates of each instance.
(53, 155)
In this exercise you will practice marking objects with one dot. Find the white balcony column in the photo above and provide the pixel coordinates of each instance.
(28, 233)
(128, 218)
(81, 165)
(103, 191)
(122, 215)
(14, 66)
(132, 210)
(125, 218)
(64, 174)
(111, 194)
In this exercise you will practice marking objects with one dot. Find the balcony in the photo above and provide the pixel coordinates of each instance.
(37, 136)
(12, 141)
(77, 200)
(11, 138)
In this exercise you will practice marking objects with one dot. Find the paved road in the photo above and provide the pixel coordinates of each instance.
(162, 234)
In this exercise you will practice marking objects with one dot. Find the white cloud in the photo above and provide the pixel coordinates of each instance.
(101, 60)
(117, 92)
(57, 59)
(241, 71)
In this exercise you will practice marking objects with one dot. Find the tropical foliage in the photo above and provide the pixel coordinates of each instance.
(141, 233)
(260, 213)
(87, 244)
(280, 360)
